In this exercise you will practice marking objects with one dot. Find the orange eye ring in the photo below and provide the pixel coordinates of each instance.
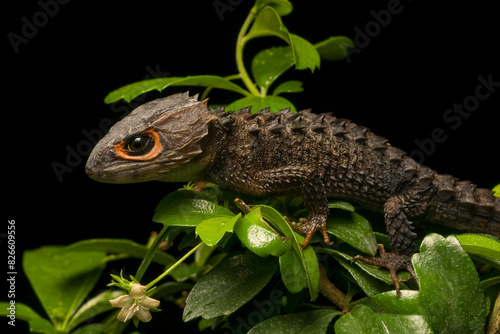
(125, 154)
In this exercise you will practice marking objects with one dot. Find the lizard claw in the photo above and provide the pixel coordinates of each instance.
(309, 227)
(391, 261)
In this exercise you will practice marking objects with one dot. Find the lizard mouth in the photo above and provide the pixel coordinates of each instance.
(109, 172)
(101, 172)
(95, 172)
(118, 175)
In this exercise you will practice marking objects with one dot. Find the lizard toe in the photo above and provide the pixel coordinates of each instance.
(392, 261)
(309, 227)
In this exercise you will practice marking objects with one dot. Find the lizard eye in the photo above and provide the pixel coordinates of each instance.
(144, 146)
(138, 144)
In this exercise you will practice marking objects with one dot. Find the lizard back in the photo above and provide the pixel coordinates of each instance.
(354, 164)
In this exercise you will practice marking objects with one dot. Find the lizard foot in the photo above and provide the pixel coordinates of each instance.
(393, 262)
(309, 227)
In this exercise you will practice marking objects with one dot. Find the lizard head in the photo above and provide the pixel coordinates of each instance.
(156, 141)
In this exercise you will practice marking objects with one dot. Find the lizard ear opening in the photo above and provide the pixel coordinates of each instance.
(143, 146)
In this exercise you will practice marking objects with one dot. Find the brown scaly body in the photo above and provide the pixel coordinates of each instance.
(315, 156)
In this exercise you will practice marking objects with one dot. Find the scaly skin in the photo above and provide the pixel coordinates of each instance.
(176, 139)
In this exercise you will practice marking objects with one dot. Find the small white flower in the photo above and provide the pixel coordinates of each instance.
(135, 304)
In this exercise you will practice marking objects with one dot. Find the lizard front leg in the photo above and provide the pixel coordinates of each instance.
(292, 180)
(316, 203)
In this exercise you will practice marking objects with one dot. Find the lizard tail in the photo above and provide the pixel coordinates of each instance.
(463, 206)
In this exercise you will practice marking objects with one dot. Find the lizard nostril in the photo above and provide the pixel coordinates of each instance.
(90, 167)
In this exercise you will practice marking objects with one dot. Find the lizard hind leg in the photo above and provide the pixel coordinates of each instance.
(402, 239)
(392, 261)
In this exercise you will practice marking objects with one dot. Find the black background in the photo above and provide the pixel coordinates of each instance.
(426, 59)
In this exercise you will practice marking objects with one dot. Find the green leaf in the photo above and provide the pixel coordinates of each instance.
(95, 328)
(23, 312)
(187, 208)
(291, 86)
(120, 246)
(292, 271)
(479, 244)
(334, 48)
(401, 313)
(268, 23)
(228, 286)
(406, 303)
(486, 260)
(305, 54)
(496, 190)
(94, 306)
(308, 270)
(304, 322)
(300, 269)
(131, 91)
(490, 282)
(203, 255)
(361, 320)
(62, 280)
(353, 229)
(450, 291)
(276, 220)
(367, 277)
(276, 103)
(269, 64)
(397, 314)
(212, 230)
(282, 7)
(341, 205)
(258, 236)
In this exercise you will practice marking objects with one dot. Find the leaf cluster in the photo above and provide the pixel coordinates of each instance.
(264, 20)
(252, 275)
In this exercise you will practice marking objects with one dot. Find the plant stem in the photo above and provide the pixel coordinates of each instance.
(153, 282)
(151, 253)
(330, 291)
(240, 45)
